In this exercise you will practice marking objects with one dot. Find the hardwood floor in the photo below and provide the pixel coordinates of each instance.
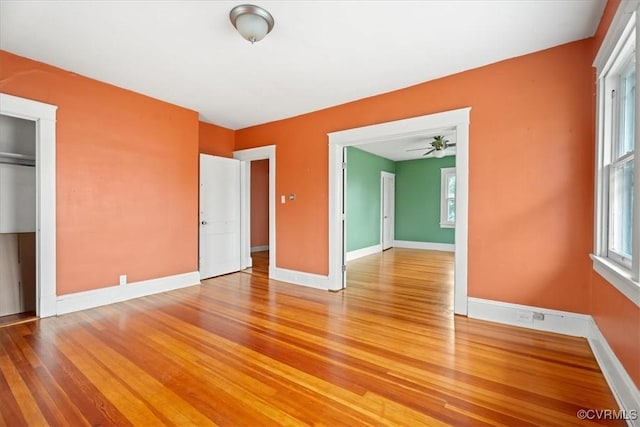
(242, 350)
(260, 261)
(13, 319)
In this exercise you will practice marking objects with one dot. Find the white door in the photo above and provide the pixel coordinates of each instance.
(388, 185)
(219, 216)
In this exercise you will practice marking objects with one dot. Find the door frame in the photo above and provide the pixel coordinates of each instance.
(457, 120)
(246, 156)
(384, 174)
(45, 117)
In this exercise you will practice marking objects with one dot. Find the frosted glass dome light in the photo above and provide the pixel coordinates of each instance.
(252, 22)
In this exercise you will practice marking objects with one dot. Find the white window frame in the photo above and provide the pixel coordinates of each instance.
(445, 175)
(618, 48)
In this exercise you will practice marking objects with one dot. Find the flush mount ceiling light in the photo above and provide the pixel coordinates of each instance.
(252, 22)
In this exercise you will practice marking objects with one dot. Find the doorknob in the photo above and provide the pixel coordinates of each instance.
(204, 223)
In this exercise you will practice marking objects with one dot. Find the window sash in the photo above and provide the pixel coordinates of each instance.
(620, 230)
(619, 192)
(623, 143)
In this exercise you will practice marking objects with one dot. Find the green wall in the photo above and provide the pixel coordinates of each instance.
(363, 197)
(418, 200)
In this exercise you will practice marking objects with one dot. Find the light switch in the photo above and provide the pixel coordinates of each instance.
(283, 199)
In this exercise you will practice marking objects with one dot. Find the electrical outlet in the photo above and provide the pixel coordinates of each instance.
(123, 279)
(538, 316)
(524, 316)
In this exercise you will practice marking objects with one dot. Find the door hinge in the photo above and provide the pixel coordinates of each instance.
(344, 165)
(344, 268)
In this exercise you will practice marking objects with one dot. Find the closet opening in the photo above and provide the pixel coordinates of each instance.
(18, 290)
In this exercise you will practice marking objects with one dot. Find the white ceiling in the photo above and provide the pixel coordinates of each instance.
(319, 54)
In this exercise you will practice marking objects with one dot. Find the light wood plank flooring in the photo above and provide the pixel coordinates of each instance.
(242, 350)
(260, 261)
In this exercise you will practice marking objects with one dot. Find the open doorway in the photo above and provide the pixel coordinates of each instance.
(260, 161)
(259, 213)
(17, 219)
(400, 225)
(456, 122)
(41, 118)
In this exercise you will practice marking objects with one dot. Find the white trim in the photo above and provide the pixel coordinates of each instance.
(618, 277)
(259, 248)
(45, 117)
(616, 30)
(299, 278)
(112, 294)
(245, 215)
(455, 119)
(430, 246)
(622, 386)
(248, 155)
(359, 253)
(561, 322)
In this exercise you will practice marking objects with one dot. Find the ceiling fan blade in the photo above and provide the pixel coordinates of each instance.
(452, 145)
(416, 149)
(429, 152)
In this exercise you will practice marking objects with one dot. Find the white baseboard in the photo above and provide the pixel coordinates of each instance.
(567, 323)
(103, 296)
(359, 253)
(259, 248)
(562, 322)
(446, 247)
(299, 278)
(621, 384)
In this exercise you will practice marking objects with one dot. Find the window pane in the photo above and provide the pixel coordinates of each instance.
(621, 221)
(451, 210)
(628, 107)
(451, 187)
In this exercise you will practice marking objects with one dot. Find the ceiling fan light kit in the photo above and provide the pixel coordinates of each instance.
(252, 22)
(439, 146)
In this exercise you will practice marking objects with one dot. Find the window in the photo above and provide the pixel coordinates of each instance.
(621, 166)
(616, 253)
(448, 197)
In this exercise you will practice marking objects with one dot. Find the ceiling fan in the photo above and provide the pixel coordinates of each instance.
(437, 146)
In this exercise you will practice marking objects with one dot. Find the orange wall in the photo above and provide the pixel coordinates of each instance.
(260, 203)
(618, 319)
(215, 140)
(127, 177)
(531, 173)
